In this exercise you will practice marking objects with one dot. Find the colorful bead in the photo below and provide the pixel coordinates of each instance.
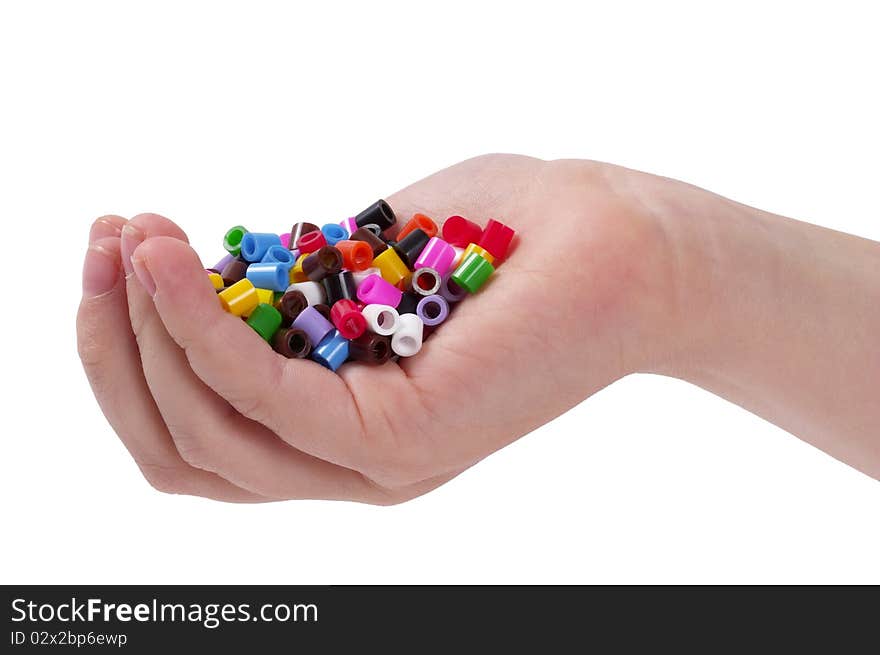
(376, 290)
(339, 287)
(296, 272)
(234, 271)
(349, 224)
(269, 276)
(485, 254)
(313, 292)
(370, 238)
(356, 255)
(392, 267)
(266, 296)
(216, 280)
(279, 255)
(348, 320)
(255, 244)
(332, 351)
(409, 302)
(379, 213)
(313, 324)
(360, 276)
(223, 263)
(407, 338)
(372, 349)
(311, 242)
(433, 310)
(381, 319)
(411, 246)
(266, 320)
(473, 272)
(323, 310)
(290, 305)
(450, 290)
(300, 229)
(459, 231)
(375, 229)
(421, 222)
(232, 240)
(285, 239)
(292, 343)
(425, 282)
(321, 263)
(496, 238)
(333, 233)
(239, 298)
(437, 254)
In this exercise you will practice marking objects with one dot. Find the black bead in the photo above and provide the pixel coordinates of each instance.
(379, 213)
(411, 246)
(340, 286)
(408, 303)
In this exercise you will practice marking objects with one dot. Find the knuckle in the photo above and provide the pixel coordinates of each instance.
(165, 479)
(190, 446)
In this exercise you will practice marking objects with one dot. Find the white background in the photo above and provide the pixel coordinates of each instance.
(262, 113)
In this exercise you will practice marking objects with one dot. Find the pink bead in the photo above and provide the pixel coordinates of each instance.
(349, 225)
(285, 239)
(376, 291)
(438, 255)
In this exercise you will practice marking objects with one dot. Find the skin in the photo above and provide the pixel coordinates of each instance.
(613, 272)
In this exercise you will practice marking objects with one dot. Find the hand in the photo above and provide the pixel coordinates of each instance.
(206, 407)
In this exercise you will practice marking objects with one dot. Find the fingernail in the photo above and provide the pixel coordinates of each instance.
(100, 271)
(131, 239)
(143, 275)
(101, 229)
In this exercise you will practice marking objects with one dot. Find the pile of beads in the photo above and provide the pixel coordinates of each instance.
(344, 292)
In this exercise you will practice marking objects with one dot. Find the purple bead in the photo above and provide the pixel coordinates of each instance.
(223, 263)
(313, 324)
(450, 290)
(433, 310)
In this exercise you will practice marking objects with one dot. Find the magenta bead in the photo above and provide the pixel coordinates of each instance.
(375, 290)
(349, 225)
(285, 239)
(438, 255)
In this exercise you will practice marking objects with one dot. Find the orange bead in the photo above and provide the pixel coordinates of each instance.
(422, 222)
(356, 255)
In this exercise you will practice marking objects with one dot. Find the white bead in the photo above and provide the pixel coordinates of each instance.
(360, 276)
(313, 292)
(407, 339)
(381, 319)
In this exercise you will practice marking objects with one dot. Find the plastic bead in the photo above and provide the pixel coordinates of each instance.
(349, 224)
(356, 255)
(420, 221)
(298, 230)
(496, 238)
(459, 255)
(425, 282)
(410, 247)
(459, 231)
(313, 292)
(266, 320)
(240, 298)
(332, 351)
(409, 302)
(373, 349)
(313, 324)
(333, 233)
(392, 267)
(379, 213)
(376, 290)
(321, 263)
(223, 263)
(323, 310)
(234, 271)
(339, 287)
(473, 272)
(348, 320)
(450, 290)
(360, 276)
(433, 310)
(485, 254)
(375, 229)
(437, 254)
(269, 276)
(266, 296)
(381, 319)
(292, 343)
(296, 272)
(290, 305)
(285, 239)
(407, 339)
(371, 239)
(216, 280)
(232, 240)
(255, 244)
(311, 242)
(279, 255)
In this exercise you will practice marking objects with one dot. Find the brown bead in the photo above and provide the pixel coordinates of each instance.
(365, 235)
(235, 271)
(321, 263)
(298, 230)
(293, 343)
(323, 310)
(370, 348)
(290, 305)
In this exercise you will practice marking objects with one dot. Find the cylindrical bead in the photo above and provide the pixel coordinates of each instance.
(381, 319)
(323, 310)
(334, 232)
(265, 320)
(296, 272)
(311, 241)
(300, 229)
(409, 302)
(239, 298)
(216, 280)
(373, 349)
(376, 244)
(392, 267)
(349, 225)
(425, 282)
(379, 213)
(348, 320)
(332, 351)
(279, 255)
(339, 287)
(375, 229)
(437, 254)
(450, 290)
(407, 339)
(313, 324)
(234, 271)
(376, 290)
(292, 343)
(473, 247)
(269, 276)
(219, 266)
(232, 240)
(420, 221)
(255, 244)
(433, 310)
(290, 305)
(496, 238)
(313, 291)
(410, 247)
(360, 276)
(473, 272)
(285, 239)
(459, 231)
(321, 263)
(356, 255)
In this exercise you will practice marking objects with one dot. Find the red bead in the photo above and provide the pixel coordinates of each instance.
(348, 320)
(496, 238)
(312, 241)
(459, 231)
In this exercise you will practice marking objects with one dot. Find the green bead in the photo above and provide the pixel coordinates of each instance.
(473, 272)
(232, 240)
(266, 320)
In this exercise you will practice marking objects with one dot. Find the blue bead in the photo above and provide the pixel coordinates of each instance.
(332, 351)
(272, 276)
(279, 255)
(333, 233)
(255, 244)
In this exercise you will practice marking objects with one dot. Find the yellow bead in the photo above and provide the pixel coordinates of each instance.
(216, 280)
(266, 296)
(391, 267)
(296, 273)
(240, 298)
(485, 254)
